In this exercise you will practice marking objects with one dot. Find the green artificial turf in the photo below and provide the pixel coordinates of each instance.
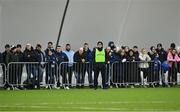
(137, 99)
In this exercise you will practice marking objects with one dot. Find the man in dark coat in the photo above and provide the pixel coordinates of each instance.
(6, 56)
(30, 56)
(40, 67)
(79, 58)
(61, 57)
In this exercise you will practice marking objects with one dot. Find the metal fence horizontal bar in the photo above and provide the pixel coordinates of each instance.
(136, 72)
(81, 74)
(30, 74)
(73, 74)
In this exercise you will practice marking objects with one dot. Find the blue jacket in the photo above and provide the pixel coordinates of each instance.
(61, 57)
(114, 57)
(46, 51)
(88, 55)
(70, 55)
(51, 59)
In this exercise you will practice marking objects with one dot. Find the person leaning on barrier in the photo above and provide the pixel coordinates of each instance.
(13, 71)
(154, 67)
(30, 57)
(70, 55)
(20, 66)
(100, 61)
(144, 65)
(163, 59)
(136, 52)
(6, 56)
(161, 52)
(172, 59)
(132, 73)
(61, 57)
(51, 60)
(49, 47)
(178, 64)
(89, 66)
(79, 67)
(110, 57)
(40, 67)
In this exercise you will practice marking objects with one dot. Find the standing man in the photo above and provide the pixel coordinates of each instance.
(79, 58)
(88, 67)
(13, 71)
(49, 47)
(20, 66)
(136, 52)
(51, 59)
(30, 56)
(100, 60)
(6, 56)
(61, 57)
(70, 55)
(40, 67)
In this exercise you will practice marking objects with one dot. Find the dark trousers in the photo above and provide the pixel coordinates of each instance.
(100, 67)
(172, 75)
(4, 74)
(50, 74)
(89, 69)
(66, 69)
(39, 77)
(79, 69)
(31, 69)
(57, 72)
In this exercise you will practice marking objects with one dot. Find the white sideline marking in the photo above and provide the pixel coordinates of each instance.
(86, 108)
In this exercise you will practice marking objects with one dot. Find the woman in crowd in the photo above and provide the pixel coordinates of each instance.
(172, 59)
(144, 65)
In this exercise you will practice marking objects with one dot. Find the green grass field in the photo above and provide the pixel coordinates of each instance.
(137, 99)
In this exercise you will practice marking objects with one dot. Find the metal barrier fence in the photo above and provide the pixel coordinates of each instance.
(3, 76)
(136, 72)
(31, 74)
(73, 74)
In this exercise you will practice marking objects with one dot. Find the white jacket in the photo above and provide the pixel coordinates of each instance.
(145, 59)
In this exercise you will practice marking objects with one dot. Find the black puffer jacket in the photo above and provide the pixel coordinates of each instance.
(30, 55)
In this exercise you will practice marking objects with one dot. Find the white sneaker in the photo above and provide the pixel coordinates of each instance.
(16, 88)
(47, 87)
(8, 88)
(67, 87)
(145, 82)
(57, 87)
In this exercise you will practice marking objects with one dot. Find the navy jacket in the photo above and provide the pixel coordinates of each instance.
(61, 57)
(46, 51)
(40, 56)
(162, 55)
(51, 59)
(88, 55)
